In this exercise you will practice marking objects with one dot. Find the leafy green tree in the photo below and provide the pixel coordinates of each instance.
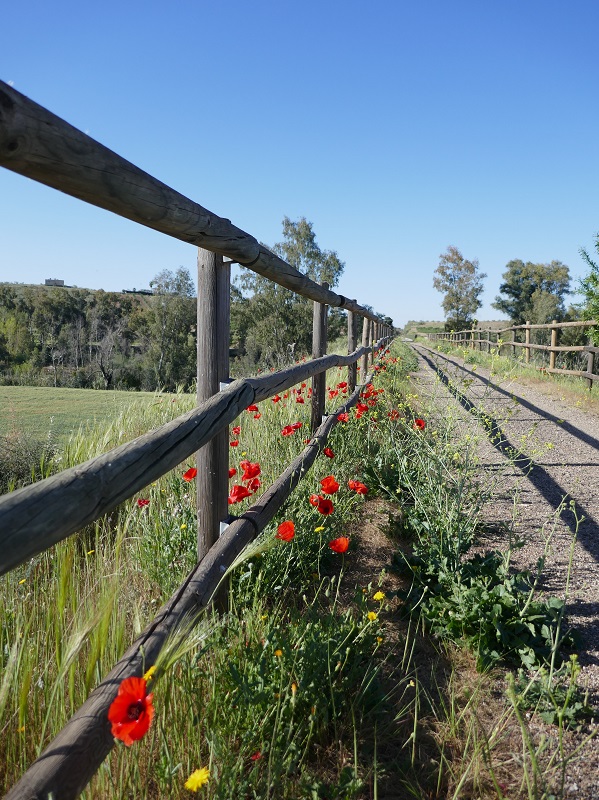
(170, 350)
(462, 283)
(273, 325)
(589, 288)
(533, 292)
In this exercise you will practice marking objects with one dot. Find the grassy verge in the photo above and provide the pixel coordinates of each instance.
(308, 687)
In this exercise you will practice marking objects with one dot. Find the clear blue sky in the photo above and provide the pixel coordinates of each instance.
(397, 128)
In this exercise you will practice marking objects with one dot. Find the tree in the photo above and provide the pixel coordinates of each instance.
(589, 287)
(170, 340)
(533, 292)
(462, 284)
(274, 325)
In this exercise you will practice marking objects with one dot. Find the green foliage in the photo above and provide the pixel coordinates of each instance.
(24, 459)
(589, 287)
(554, 695)
(273, 326)
(533, 292)
(462, 284)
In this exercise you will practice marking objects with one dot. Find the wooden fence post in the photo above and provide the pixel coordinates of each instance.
(590, 363)
(319, 348)
(553, 344)
(527, 341)
(365, 342)
(213, 367)
(352, 340)
(513, 343)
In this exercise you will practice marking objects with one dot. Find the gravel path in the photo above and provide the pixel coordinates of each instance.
(556, 463)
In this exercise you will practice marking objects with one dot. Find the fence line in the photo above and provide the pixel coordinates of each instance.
(472, 338)
(65, 767)
(40, 145)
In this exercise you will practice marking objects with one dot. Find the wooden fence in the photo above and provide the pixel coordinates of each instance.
(37, 144)
(495, 339)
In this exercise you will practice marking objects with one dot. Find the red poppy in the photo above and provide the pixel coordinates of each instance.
(234, 443)
(325, 506)
(257, 416)
(343, 417)
(131, 711)
(361, 408)
(237, 430)
(286, 395)
(342, 385)
(339, 545)
(287, 430)
(275, 399)
(333, 393)
(297, 425)
(358, 487)
(419, 424)
(299, 399)
(371, 402)
(237, 494)
(249, 470)
(190, 474)
(393, 414)
(257, 756)
(252, 408)
(314, 499)
(329, 485)
(232, 472)
(142, 502)
(253, 485)
(286, 531)
(328, 452)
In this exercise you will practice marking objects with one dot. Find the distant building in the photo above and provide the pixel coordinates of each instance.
(137, 291)
(53, 282)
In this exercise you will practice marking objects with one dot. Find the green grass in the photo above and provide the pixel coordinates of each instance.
(46, 411)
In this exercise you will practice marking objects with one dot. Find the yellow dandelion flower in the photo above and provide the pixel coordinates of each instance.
(22, 581)
(90, 552)
(149, 674)
(197, 779)
(379, 639)
(319, 529)
(278, 653)
(372, 615)
(379, 596)
(183, 526)
(244, 453)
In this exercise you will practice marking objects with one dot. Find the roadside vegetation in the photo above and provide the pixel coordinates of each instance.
(310, 686)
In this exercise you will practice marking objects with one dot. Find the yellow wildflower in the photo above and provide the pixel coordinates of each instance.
(197, 779)
(149, 674)
(90, 552)
(379, 596)
(183, 526)
(372, 615)
(278, 653)
(22, 581)
(319, 529)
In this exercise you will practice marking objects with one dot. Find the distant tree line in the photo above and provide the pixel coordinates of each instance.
(107, 340)
(530, 292)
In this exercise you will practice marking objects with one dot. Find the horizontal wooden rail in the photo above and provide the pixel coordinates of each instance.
(38, 144)
(544, 326)
(69, 762)
(38, 516)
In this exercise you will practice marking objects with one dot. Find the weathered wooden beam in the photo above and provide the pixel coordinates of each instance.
(38, 144)
(352, 342)
(36, 517)
(213, 334)
(71, 759)
(319, 349)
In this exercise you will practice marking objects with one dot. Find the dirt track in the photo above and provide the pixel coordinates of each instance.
(556, 462)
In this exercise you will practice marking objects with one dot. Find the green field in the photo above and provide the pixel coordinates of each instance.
(42, 411)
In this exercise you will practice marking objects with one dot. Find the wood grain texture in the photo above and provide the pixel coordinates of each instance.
(352, 343)
(69, 762)
(38, 144)
(35, 517)
(213, 328)
(319, 349)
